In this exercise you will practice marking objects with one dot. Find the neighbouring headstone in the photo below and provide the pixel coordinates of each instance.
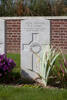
(35, 33)
(2, 36)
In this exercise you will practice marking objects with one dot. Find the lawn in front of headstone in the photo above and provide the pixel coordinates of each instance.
(28, 92)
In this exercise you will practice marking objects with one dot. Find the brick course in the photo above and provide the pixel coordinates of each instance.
(58, 34)
(13, 36)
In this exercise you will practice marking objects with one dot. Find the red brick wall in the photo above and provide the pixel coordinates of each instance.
(12, 36)
(59, 34)
(13, 31)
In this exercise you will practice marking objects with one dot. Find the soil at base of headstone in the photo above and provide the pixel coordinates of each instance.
(18, 82)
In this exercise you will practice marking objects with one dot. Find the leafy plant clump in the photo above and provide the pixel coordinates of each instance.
(47, 61)
(60, 72)
(6, 65)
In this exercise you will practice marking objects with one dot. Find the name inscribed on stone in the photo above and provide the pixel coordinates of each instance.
(35, 26)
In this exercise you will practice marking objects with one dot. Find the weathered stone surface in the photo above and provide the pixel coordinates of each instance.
(35, 33)
(2, 37)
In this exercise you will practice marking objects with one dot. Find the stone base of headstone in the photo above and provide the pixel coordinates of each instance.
(28, 74)
(31, 77)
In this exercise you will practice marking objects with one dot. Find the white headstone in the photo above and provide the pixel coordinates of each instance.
(35, 33)
(2, 36)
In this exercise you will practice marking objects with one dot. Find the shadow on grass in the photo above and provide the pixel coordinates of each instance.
(54, 82)
(14, 78)
(11, 78)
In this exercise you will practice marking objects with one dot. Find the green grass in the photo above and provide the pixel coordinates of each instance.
(27, 93)
(16, 58)
(9, 92)
(59, 60)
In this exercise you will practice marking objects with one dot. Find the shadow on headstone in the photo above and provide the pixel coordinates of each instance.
(26, 78)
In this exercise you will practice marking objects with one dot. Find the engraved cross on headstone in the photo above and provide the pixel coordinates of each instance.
(35, 33)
